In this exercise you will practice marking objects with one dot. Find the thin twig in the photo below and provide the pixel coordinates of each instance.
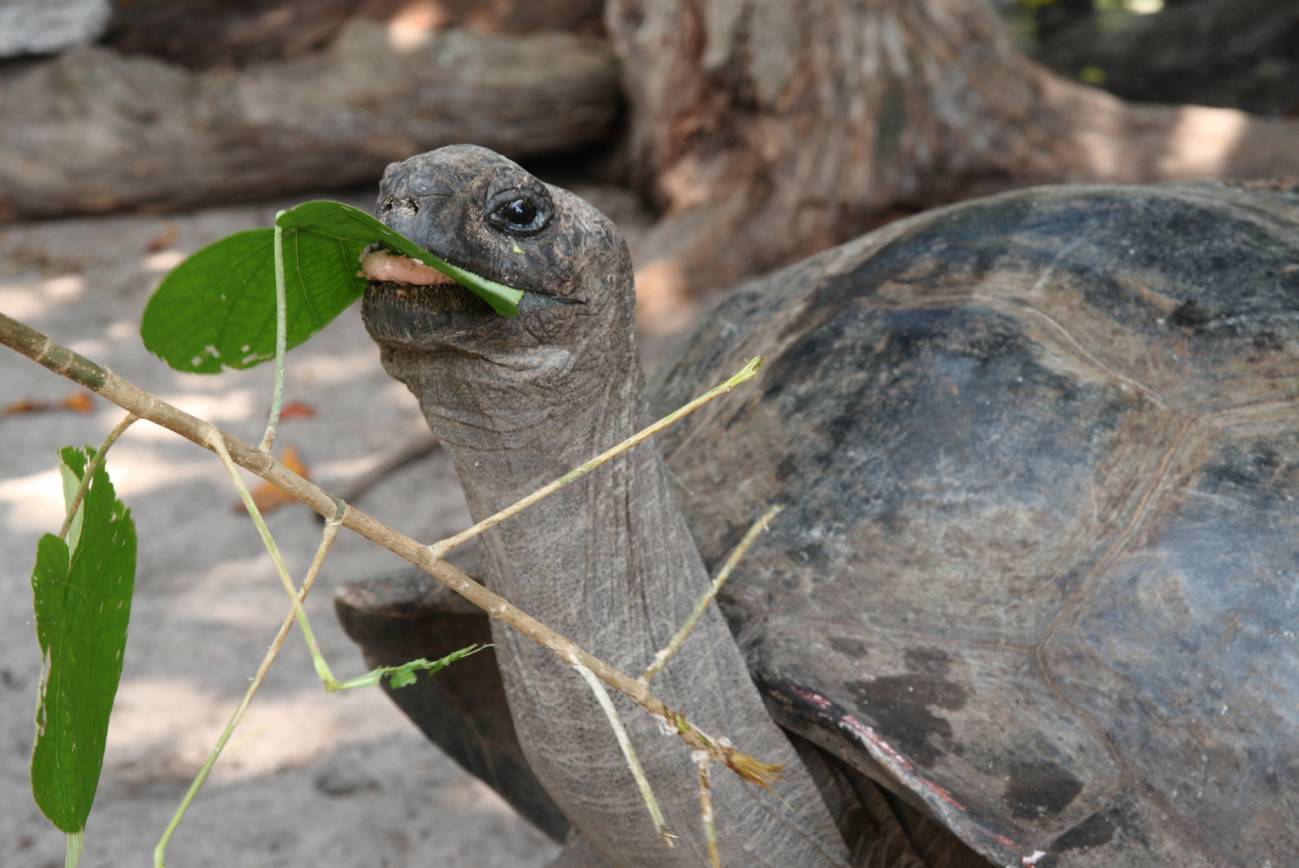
(41, 349)
(91, 468)
(702, 762)
(748, 372)
(403, 674)
(281, 339)
(326, 541)
(216, 440)
(633, 764)
(673, 646)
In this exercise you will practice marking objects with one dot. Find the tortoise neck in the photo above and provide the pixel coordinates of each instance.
(596, 546)
(609, 562)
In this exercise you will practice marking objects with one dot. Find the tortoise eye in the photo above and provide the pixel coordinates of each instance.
(519, 212)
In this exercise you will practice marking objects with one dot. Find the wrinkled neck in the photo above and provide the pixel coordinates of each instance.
(515, 420)
(511, 442)
(586, 547)
(609, 562)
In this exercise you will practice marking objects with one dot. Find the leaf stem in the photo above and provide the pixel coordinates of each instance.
(749, 371)
(673, 646)
(74, 845)
(326, 541)
(281, 338)
(91, 469)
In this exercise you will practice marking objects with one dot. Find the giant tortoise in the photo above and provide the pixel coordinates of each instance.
(1037, 577)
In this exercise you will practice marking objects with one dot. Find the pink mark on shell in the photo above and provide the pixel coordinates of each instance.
(901, 765)
(811, 696)
(943, 793)
(862, 731)
(906, 772)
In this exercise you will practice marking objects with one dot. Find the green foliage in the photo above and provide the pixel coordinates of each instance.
(344, 224)
(405, 674)
(81, 592)
(217, 308)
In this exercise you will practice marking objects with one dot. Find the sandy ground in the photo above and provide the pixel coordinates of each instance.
(310, 779)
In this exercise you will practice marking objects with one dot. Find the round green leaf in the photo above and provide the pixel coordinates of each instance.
(217, 308)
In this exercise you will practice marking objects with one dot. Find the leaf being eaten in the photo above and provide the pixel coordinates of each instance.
(217, 308)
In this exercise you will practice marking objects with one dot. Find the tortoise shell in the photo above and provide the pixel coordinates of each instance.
(1039, 566)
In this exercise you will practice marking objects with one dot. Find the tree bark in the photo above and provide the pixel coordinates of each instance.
(94, 131)
(199, 34)
(765, 130)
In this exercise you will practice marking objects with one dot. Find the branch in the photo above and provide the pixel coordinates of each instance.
(706, 808)
(628, 752)
(673, 646)
(61, 360)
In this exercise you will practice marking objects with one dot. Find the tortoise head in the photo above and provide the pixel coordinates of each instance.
(484, 213)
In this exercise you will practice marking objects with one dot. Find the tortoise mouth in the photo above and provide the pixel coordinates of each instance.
(408, 315)
(411, 281)
(437, 310)
(408, 303)
(444, 297)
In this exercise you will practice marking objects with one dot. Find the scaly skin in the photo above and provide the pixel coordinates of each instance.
(608, 561)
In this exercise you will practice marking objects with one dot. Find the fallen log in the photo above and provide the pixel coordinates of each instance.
(95, 131)
(199, 34)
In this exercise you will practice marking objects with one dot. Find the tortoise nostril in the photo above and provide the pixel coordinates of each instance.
(410, 204)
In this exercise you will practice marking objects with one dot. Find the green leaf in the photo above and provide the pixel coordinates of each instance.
(82, 601)
(405, 674)
(334, 220)
(217, 308)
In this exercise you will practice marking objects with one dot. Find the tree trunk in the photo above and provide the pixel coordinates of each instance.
(95, 131)
(765, 130)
